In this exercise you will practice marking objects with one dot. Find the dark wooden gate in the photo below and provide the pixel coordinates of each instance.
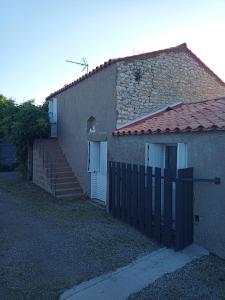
(155, 203)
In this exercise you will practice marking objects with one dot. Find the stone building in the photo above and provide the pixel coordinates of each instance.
(119, 91)
(185, 136)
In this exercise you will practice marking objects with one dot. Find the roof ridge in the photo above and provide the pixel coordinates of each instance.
(206, 100)
(160, 112)
(181, 47)
(155, 52)
(152, 115)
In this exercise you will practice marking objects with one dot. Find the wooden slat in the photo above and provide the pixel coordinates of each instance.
(141, 202)
(113, 186)
(123, 192)
(157, 217)
(167, 220)
(129, 194)
(135, 196)
(190, 206)
(148, 201)
(185, 209)
(110, 186)
(179, 225)
(118, 190)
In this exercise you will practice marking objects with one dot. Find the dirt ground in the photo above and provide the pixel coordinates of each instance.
(48, 245)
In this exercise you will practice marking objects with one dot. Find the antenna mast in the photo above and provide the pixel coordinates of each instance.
(83, 63)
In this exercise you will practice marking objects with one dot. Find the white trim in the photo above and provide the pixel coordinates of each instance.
(149, 115)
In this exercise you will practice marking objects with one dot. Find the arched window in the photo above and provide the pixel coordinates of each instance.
(91, 123)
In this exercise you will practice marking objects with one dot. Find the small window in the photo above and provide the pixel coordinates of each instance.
(91, 125)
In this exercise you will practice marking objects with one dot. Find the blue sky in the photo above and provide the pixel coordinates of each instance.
(38, 36)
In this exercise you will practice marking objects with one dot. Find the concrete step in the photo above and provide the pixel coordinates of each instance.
(65, 179)
(70, 195)
(67, 191)
(60, 164)
(59, 160)
(67, 185)
(63, 174)
(60, 172)
(55, 152)
(61, 169)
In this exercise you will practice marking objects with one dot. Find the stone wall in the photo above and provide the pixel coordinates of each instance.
(39, 171)
(148, 84)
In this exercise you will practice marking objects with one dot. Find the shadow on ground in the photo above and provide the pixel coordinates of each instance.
(48, 245)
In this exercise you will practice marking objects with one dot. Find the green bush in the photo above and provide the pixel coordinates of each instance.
(23, 123)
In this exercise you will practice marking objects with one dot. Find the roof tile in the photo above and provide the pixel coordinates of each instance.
(206, 115)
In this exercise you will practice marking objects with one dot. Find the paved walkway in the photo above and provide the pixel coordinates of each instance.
(118, 285)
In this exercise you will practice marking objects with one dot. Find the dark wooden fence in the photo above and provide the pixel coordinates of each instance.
(153, 202)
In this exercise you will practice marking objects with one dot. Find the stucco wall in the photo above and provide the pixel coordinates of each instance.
(164, 79)
(39, 175)
(206, 156)
(93, 97)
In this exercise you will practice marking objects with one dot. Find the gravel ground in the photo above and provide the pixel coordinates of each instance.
(48, 245)
(201, 279)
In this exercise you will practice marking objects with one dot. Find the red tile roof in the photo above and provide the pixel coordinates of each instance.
(179, 48)
(206, 115)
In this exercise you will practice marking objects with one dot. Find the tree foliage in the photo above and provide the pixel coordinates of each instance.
(23, 123)
(7, 112)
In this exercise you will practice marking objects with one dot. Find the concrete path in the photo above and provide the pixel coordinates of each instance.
(118, 285)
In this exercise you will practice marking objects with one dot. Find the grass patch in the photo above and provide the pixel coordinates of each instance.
(44, 204)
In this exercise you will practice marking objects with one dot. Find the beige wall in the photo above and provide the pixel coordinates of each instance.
(206, 156)
(95, 97)
(165, 79)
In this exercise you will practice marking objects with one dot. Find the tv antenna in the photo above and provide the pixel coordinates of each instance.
(83, 63)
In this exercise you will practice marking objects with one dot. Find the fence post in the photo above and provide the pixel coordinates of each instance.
(148, 205)
(157, 217)
(184, 209)
(167, 233)
(129, 194)
(179, 230)
(113, 193)
(118, 190)
(135, 195)
(123, 192)
(110, 187)
(141, 204)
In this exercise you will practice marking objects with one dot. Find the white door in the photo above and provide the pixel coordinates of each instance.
(182, 159)
(98, 169)
(154, 157)
(52, 111)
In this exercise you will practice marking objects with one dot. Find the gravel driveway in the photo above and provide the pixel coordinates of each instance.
(48, 245)
(201, 279)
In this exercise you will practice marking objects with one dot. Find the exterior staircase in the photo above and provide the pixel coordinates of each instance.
(61, 180)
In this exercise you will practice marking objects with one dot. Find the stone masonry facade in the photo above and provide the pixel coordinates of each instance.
(145, 85)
